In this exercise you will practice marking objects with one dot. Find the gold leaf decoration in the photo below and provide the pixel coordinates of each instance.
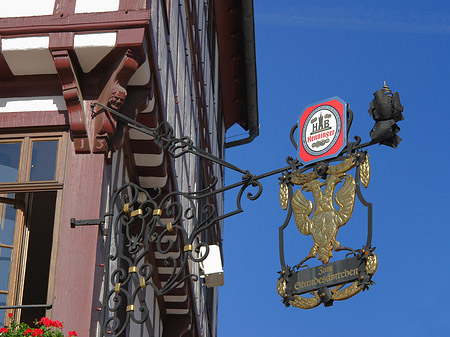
(281, 287)
(302, 178)
(372, 264)
(299, 301)
(284, 196)
(347, 292)
(306, 303)
(364, 170)
(343, 167)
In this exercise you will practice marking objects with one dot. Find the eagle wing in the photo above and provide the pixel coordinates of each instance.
(345, 199)
(302, 208)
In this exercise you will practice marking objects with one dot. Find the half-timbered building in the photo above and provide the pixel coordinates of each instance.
(190, 63)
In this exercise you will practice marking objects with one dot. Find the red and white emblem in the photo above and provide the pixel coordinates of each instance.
(323, 130)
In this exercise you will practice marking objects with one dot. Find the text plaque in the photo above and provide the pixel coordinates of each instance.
(327, 275)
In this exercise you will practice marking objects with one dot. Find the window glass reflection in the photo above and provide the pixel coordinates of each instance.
(9, 161)
(7, 227)
(43, 160)
(2, 312)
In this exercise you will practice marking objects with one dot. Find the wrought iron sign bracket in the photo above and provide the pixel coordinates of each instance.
(150, 220)
(91, 222)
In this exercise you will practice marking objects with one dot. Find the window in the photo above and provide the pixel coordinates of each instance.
(30, 159)
(31, 177)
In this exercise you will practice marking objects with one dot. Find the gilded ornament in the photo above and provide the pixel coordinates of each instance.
(137, 212)
(347, 292)
(284, 196)
(142, 282)
(343, 167)
(339, 293)
(372, 264)
(157, 212)
(364, 172)
(302, 178)
(298, 301)
(326, 221)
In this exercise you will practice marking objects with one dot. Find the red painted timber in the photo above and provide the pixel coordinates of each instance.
(74, 22)
(74, 287)
(33, 119)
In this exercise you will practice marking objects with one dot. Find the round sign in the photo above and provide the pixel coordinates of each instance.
(321, 130)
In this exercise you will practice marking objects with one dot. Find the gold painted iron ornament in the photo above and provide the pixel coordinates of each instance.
(326, 221)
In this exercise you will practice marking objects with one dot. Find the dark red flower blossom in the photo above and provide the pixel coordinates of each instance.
(27, 331)
(72, 333)
(10, 315)
(37, 332)
(3, 330)
(46, 321)
(57, 324)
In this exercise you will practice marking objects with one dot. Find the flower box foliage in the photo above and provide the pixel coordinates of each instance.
(45, 328)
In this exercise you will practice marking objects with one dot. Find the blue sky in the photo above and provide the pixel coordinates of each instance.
(311, 50)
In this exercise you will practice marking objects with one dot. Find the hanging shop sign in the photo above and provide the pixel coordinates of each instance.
(320, 195)
(319, 191)
(323, 130)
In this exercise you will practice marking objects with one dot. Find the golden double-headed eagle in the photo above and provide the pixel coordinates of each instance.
(326, 220)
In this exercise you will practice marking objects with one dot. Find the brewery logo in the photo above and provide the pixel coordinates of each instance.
(321, 130)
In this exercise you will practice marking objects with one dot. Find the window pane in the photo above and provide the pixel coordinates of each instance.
(7, 223)
(43, 160)
(7, 226)
(2, 312)
(5, 264)
(9, 161)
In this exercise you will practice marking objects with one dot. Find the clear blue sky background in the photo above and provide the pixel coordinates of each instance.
(311, 50)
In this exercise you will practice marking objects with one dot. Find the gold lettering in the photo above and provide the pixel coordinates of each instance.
(325, 278)
(325, 270)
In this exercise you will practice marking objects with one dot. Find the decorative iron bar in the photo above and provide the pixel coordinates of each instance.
(142, 224)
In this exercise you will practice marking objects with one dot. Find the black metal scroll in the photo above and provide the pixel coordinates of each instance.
(139, 224)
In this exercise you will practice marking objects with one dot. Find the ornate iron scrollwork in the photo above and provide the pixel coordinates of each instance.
(140, 224)
(135, 232)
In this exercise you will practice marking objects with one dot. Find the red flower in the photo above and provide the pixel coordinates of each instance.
(10, 315)
(46, 321)
(72, 333)
(57, 324)
(27, 331)
(3, 330)
(37, 332)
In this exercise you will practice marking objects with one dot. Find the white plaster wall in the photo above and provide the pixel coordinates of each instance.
(28, 55)
(92, 6)
(92, 48)
(9, 9)
(24, 104)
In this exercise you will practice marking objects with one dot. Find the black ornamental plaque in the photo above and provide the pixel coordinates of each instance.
(327, 275)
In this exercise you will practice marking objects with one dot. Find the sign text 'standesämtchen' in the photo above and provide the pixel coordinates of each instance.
(330, 274)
